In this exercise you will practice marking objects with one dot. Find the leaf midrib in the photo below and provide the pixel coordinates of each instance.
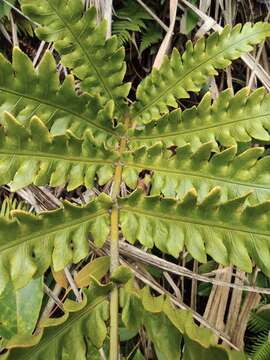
(193, 174)
(177, 82)
(56, 229)
(198, 129)
(189, 220)
(47, 156)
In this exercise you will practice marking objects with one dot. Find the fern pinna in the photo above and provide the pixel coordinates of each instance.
(258, 340)
(209, 186)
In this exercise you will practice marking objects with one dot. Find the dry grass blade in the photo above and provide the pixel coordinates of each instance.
(107, 15)
(235, 305)
(40, 198)
(53, 296)
(217, 302)
(251, 301)
(5, 33)
(38, 53)
(261, 47)
(164, 47)
(194, 287)
(154, 16)
(173, 286)
(140, 255)
(15, 40)
(73, 284)
(50, 304)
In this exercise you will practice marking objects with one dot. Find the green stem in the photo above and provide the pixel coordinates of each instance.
(114, 348)
(114, 343)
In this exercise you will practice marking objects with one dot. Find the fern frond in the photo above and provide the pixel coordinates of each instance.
(120, 29)
(231, 232)
(73, 335)
(236, 174)
(189, 72)
(259, 322)
(150, 36)
(229, 120)
(134, 13)
(83, 47)
(35, 156)
(30, 244)
(130, 18)
(261, 351)
(25, 92)
(258, 344)
(166, 325)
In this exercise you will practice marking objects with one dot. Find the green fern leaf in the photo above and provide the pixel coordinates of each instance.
(19, 309)
(24, 94)
(35, 156)
(228, 121)
(231, 232)
(175, 175)
(5, 8)
(159, 317)
(134, 13)
(30, 244)
(130, 18)
(122, 29)
(66, 336)
(258, 345)
(99, 63)
(122, 34)
(263, 351)
(189, 72)
(259, 320)
(150, 36)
